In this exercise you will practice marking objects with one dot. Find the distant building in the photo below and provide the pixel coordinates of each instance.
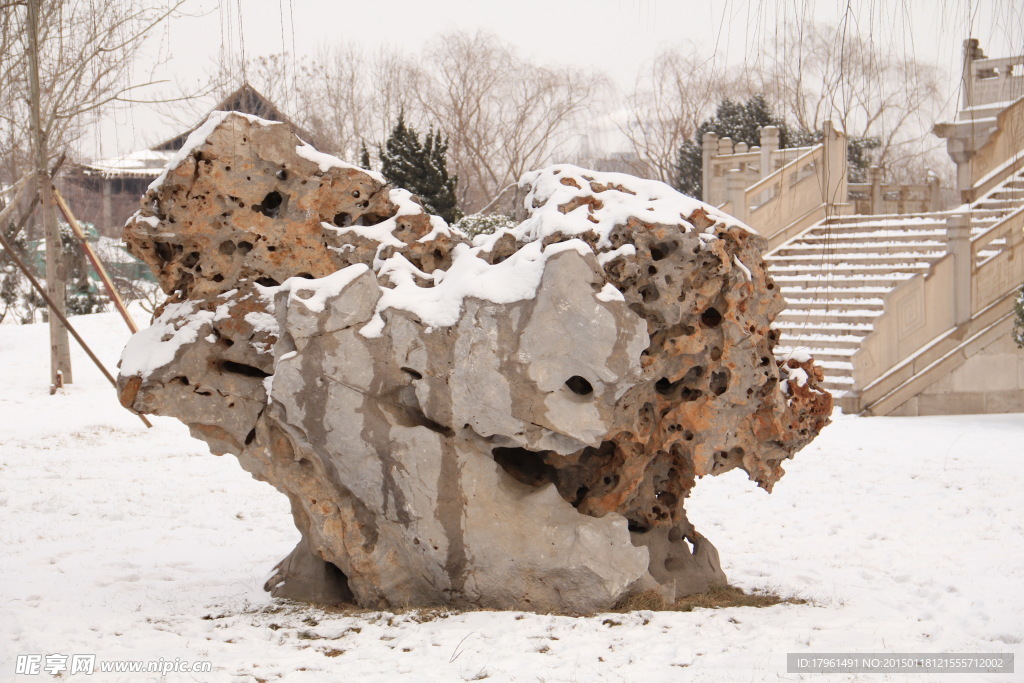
(105, 192)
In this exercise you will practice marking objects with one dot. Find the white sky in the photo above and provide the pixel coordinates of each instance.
(614, 36)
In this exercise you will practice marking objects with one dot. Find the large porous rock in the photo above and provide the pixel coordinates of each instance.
(513, 421)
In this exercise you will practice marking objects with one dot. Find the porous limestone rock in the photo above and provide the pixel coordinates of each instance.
(512, 421)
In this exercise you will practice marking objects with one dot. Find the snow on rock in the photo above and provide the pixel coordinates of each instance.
(571, 200)
(513, 421)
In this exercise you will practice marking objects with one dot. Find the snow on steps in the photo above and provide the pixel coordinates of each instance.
(836, 275)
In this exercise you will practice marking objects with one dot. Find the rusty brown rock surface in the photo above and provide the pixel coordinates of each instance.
(511, 421)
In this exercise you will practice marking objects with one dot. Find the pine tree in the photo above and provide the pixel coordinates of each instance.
(421, 168)
(742, 121)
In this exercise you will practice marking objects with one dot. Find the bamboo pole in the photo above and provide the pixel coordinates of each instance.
(60, 316)
(94, 259)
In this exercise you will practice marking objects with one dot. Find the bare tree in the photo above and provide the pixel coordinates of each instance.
(502, 115)
(342, 96)
(86, 53)
(822, 73)
(673, 94)
(64, 62)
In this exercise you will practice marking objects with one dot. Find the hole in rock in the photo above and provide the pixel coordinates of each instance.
(711, 318)
(244, 247)
(581, 495)
(413, 373)
(664, 387)
(282, 174)
(689, 394)
(306, 276)
(668, 498)
(242, 369)
(688, 435)
(579, 386)
(250, 437)
(716, 354)
(163, 251)
(267, 281)
(355, 194)
(649, 293)
(342, 219)
(525, 466)
(371, 219)
(662, 250)
(271, 205)
(191, 260)
(720, 381)
(637, 527)
(271, 248)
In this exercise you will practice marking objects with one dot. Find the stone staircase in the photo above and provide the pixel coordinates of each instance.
(836, 275)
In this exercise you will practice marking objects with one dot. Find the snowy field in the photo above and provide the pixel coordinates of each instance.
(906, 535)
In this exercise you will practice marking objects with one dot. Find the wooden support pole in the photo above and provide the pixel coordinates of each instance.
(60, 316)
(94, 259)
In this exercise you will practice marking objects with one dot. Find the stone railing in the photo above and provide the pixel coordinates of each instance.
(921, 313)
(804, 186)
(875, 197)
(991, 81)
(808, 185)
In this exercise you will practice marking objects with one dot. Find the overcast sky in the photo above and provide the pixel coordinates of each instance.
(614, 36)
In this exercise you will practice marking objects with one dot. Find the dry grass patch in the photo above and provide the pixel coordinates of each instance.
(717, 597)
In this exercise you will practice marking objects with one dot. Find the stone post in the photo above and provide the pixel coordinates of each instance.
(875, 179)
(742, 148)
(934, 194)
(833, 172)
(769, 144)
(709, 150)
(725, 147)
(958, 243)
(736, 193)
(971, 52)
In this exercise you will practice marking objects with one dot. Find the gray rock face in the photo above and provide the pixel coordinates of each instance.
(512, 423)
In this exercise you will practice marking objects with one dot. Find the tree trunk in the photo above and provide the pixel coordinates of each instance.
(60, 351)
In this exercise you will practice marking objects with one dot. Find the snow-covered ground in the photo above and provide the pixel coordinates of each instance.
(905, 534)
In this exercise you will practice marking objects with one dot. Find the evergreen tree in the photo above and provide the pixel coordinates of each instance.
(17, 297)
(421, 168)
(742, 121)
